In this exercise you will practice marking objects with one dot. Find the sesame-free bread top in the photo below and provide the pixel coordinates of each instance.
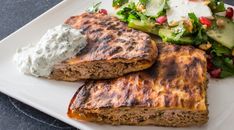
(170, 93)
(113, 49)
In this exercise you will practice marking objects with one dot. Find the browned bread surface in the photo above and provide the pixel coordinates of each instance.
(113, 50)
(170, 93)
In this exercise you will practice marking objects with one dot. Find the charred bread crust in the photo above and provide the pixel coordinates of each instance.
(113, 50)
(173, 92)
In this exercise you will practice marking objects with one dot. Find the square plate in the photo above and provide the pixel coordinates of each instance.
(53, 97)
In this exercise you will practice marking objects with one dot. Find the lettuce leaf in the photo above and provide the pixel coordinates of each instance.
(226, 64)
(220, 50)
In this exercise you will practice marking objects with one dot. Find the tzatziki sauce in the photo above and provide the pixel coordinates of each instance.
(57, 45)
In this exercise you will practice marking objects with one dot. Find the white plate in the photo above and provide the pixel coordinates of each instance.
(52, 97)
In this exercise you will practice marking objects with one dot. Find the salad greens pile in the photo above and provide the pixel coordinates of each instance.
(214, 35)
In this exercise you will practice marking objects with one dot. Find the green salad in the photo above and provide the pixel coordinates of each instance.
(186, 22)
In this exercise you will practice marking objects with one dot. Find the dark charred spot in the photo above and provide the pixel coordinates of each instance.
(177, 48)
(171, 69)
(194, 62)
(106, 38)
(190, 49)
(107, 82)
(145, 90)
(104, 48)
(82, 32)
(103, 23)
(176, 100)
(132, 102)
(112, 25)
(146, 82)
(141, 119)
(125, 83)
(200, 90)
(86, 22)
(130, 48)
(122, 30)
(119, 33)
(127, 93)
(84, 51)
(120, 40)
(109, 22)
(96, 30)
(151, 72)
(187, 90)
(182, 102)
(115, 50)
(85, 28)
(133, 42)
(166, 101)
(83, 94)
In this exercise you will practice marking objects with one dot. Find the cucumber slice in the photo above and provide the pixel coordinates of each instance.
(224, 35)
(154, 8)
(167, 36)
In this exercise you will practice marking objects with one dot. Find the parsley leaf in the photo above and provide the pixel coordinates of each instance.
(199, 32)
(226, 64)
(128, 12)
(94, 8)
(220, 50)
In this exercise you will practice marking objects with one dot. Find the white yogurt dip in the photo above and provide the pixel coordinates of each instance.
(57, 45)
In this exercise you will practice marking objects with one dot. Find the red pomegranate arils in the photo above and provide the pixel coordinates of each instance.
(229, 12)
(103, 11)
(161, 19)
(216, 73)
(205, 21)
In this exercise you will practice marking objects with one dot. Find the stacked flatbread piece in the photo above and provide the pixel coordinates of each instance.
(131, 80)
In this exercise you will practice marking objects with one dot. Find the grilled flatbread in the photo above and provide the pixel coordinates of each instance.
(170, 93)
(113, 50)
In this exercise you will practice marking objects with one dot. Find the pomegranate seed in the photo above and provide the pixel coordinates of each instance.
(229, 12)
(161, 19)
(209, 66)
(103, 11)
(216, 73)
(205, 21)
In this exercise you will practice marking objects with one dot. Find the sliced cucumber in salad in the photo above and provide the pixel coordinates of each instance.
(224, 33)
(198, 29)
(168, 36)
(144, 26)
